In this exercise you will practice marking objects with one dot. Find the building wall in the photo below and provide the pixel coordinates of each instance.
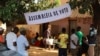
(83, 20)
(59, 24)
(64, 1)
(31, 30)
(85, 24)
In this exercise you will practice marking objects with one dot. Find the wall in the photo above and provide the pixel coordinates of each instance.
(31, 29)
(60, 24)
(64, 1)
(83, 22)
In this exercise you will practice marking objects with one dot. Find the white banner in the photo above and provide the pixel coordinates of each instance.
(49, 15)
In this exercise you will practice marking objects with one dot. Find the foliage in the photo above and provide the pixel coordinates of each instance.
(13, 10)
(7, 9)
(83, 6)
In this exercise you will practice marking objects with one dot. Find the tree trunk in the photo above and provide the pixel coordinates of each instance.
(96, 10)
(96, 21)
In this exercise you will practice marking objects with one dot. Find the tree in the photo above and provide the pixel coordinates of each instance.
(13, 10)
(90, 6)
(9, 11)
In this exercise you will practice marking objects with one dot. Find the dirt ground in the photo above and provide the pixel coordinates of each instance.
(36, 51)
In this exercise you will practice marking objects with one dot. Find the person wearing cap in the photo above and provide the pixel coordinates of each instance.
(22, 43)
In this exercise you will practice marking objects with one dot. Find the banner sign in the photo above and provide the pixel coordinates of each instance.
(48, 15)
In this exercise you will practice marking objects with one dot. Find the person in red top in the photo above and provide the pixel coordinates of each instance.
(1, 35)
(2, 41)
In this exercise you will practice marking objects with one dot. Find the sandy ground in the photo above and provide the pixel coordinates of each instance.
(36, 51)
(33, 51)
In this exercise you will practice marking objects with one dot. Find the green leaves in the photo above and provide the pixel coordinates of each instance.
(41, 5)
(8, 10)
(82, 5)
(73, 4)
(11, 10)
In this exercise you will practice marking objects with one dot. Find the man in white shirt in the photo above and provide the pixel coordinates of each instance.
(73, 43)
(22, 43)
(11, 38)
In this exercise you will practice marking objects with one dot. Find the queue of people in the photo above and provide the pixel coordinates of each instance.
(79, 44)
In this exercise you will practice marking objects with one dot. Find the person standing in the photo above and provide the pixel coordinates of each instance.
(22, 43)
(79, 34)
(48, 35)
(92, 40)
(63, 39)
(11, 38)
(73, 43)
